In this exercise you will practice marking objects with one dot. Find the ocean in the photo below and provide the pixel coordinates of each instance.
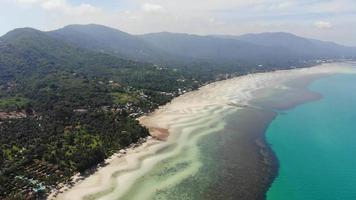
(315, 144)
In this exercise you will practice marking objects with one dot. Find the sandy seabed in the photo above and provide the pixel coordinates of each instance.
(181, 124)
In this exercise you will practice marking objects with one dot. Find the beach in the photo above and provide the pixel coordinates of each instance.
(205, 144)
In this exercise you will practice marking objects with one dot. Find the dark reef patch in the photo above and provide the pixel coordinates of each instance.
(247, 166)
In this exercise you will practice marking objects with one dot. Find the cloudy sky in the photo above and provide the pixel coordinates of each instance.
(332, 20)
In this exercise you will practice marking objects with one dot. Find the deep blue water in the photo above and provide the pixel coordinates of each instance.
(315, 144)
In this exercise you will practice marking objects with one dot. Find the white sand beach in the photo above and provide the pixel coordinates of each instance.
(179, 125)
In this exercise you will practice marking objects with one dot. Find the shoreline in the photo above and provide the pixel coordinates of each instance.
(160, 126)
(78, 178)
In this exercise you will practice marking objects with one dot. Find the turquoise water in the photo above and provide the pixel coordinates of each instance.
(315, 144)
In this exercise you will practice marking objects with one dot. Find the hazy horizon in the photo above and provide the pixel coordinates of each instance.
(327, 20)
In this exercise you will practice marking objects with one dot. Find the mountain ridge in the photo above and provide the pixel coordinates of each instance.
(269, 48)
(184, 48)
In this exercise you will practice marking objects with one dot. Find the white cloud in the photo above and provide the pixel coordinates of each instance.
(152, 8)
(323, 25)
(335, 6)
(27, 1)
(282, 5)
(62, 6)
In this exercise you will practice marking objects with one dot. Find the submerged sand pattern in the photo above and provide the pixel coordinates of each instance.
(187, 119)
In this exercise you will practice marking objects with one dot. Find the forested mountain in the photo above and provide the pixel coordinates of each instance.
(264, 48)
(111, 41)
(271, 49)
(26, 52)
(29, 52)
(218, 50)
(69, 98)
(307, 48)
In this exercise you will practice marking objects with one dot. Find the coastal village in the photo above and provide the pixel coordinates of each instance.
(32, 181)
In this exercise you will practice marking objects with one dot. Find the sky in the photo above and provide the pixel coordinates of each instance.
(330, 20)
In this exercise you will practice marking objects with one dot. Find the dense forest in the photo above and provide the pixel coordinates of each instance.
(64, 109)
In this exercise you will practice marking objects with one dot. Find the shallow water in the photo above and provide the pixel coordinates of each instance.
(315, 144)
(216, 149)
